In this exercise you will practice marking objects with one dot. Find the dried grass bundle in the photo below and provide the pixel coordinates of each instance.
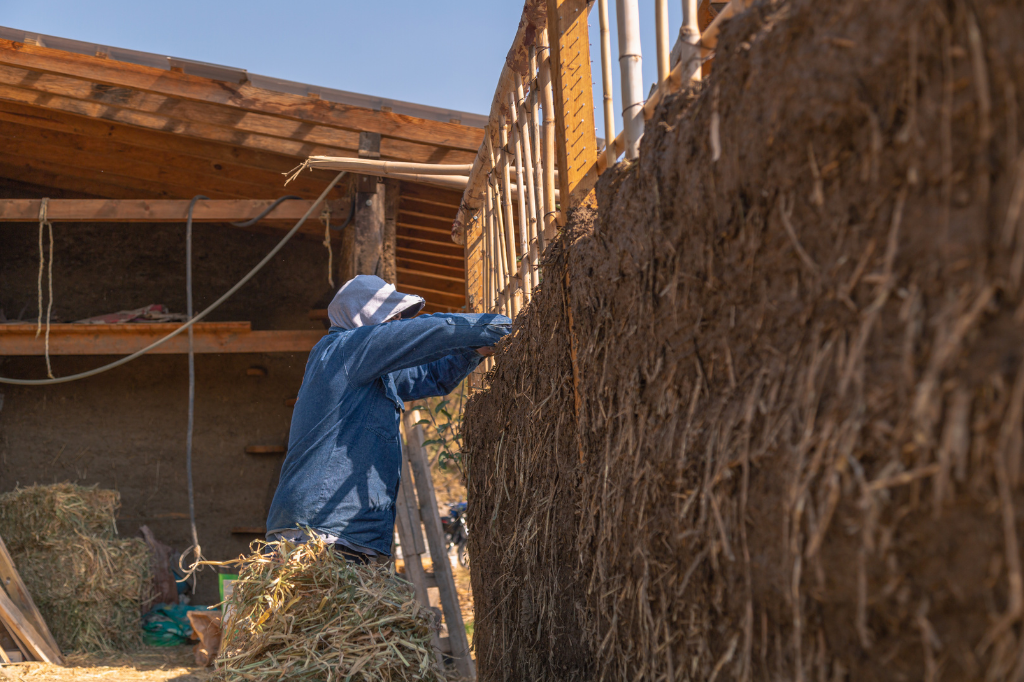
(301, 612)
(89, 585)
(40, 513)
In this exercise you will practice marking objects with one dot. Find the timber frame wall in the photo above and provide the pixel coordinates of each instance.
(541, 132)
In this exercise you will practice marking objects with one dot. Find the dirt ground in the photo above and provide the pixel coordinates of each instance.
(152, 664)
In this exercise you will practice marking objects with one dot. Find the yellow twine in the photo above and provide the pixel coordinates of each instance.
(325, 218)
(45, 223)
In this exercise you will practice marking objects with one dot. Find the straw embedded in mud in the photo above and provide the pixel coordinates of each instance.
(301, 612)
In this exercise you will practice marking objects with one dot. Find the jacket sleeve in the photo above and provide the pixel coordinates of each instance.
(382, 349)
(436, 378)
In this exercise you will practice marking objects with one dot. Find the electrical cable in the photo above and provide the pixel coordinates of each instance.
(188, 325)
(261, 216)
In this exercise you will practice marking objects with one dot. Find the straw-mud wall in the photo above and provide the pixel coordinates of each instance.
(796, 451)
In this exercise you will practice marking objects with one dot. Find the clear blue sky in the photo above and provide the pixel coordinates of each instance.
(446, 53)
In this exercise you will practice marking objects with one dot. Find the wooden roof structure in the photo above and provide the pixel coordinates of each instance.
(101, 122)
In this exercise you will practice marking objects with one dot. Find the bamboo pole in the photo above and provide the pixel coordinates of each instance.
(510, 233)
(606, 84)
(630, 64)
(531, 184)
(551, 217)
(683, 71)
(524, 220)
(689, 40)
(661, 36)
(378, 167)
(538, 165)
(487, 252)
(503, 255)
(533, 20)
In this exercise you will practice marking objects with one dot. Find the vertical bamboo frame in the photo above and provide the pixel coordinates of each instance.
(661, 38)
(551, 218)
(606, 83)
(631, 67)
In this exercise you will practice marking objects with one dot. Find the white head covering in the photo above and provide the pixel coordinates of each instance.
(366, 300)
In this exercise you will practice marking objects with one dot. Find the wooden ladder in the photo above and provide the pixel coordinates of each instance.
(416, 511)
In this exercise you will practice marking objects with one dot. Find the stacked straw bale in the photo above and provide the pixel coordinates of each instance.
(798, 450)
(301, 612)
(89, 585)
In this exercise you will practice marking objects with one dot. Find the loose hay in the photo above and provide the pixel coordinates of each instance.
(89, 585)
(798, 452)
(301, 612)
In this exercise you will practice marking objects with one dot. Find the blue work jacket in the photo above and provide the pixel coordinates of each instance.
(343, 466)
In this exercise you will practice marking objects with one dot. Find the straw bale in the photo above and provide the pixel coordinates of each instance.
(39, 513)
(301, 612)
(90, 586)
(797, 452)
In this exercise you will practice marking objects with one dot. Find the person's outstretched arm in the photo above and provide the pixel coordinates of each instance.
(436, 378)
(385, 348)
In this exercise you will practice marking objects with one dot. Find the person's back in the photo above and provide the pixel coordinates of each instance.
(341, 474)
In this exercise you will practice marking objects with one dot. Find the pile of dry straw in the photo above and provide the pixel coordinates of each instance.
(89, 585)
(300, 612)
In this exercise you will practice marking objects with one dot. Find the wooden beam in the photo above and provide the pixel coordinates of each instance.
(242, 97)
(431, 195)
(423, 234)
(122, 159)
(123, 339)
(430, 295)
(207, 152)
(415, 207)
(157, 210)
(296, 140)
(427, 266)
(428, 246)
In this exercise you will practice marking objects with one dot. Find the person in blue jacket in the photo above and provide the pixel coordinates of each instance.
(340, 477)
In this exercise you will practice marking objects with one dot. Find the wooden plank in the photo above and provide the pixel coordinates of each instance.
(440, 298)
(438, 552)
(157, 210)
(576, 147)
(416, 207)
(426, 266)
(123, 339)
(184, 169)
(426, 235)
(20, 627)
(431, 195)
(21, 597)
(299, 144)
(208, 153)
(265, 449)
(240, 96)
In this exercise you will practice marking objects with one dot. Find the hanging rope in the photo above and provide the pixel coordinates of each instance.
(44, 223)
(209, 309)
(325, 218)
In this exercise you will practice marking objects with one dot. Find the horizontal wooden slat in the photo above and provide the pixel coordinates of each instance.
(427, 235)
(431, 265)
(242, 98)
(432, 195)
(433, 296)
(123, 339)
(157, 210)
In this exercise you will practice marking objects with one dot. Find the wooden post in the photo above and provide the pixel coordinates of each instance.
(19, 594)
(438, 552)
(606, 84)
(551, 218)
(630, 65)
(389, 268)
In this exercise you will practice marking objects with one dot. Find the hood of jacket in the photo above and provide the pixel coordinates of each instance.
(367, 299)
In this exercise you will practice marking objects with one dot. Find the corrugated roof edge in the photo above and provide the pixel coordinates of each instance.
(236, 75)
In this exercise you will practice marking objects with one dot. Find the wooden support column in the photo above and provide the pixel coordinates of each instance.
(391, 189)
(362, 245)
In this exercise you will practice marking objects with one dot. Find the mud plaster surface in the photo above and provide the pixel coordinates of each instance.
(797, 452)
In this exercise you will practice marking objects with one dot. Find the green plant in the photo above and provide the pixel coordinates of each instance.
(443, 427)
